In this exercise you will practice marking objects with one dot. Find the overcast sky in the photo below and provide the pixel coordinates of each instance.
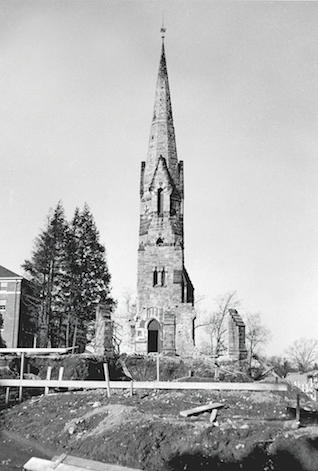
(77, 87)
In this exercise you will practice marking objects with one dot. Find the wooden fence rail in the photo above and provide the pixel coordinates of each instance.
(43, 383)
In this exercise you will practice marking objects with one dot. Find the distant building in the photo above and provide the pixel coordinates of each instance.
(15, 326)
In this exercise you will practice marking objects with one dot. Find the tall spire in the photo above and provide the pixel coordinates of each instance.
(162, 141)
(164, 318)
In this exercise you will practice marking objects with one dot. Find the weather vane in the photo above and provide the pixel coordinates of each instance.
(163, 29)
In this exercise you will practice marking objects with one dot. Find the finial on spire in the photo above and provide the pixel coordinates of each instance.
(163, 29)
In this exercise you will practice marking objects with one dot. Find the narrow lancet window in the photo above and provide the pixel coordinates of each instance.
(155, 277)
(163, 277)
(160, 202)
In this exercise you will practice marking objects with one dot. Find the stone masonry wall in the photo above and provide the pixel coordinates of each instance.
(103, 331)
(236, 335)
(185, 316)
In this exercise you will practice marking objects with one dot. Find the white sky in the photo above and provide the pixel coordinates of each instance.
(77, 87)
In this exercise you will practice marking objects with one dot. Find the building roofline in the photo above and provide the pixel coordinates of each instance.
(8, 274)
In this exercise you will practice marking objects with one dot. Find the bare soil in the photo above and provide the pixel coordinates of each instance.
(254, 430)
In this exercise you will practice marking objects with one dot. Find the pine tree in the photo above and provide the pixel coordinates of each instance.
(87, 282)
(70, 277)
(46, 269)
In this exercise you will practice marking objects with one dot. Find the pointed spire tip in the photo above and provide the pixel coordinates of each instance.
(163, 29)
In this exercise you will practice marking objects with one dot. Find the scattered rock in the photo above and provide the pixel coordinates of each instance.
(71, 430)
(239, 446)
(295, 425)
(292, 424)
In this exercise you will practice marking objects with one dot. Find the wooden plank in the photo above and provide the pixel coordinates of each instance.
(95, 465)
(37, 464)
(207, 386)
(72, 463)
(200, 409)
(213, 415)
(35, 351)
(58, 459)
(38, 383)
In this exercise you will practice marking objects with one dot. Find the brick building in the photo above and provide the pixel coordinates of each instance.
(164, 319)
(16, 330)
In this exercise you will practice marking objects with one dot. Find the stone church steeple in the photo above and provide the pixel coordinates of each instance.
(162, 140)
(165, 294)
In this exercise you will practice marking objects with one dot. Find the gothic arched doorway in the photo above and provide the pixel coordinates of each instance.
(153, 336)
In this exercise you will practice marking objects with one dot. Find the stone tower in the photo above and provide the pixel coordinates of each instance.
(165, 316)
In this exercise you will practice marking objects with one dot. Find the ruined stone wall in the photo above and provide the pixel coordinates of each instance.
(104, 328)
(125, 330)
(236, 336)
(185, 315)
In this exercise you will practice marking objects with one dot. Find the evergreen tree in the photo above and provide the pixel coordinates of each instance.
(87, 281)
(46, 270)
(69, 275)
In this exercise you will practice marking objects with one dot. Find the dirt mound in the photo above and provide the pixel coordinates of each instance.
(264, 397)
(100, 420)
(146, 431)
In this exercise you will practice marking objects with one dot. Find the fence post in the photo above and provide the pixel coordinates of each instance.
(7, 395)
(106, 373)
(158, 372)
(298, 408)
(61, 371)
(21, 375)
(48, 377)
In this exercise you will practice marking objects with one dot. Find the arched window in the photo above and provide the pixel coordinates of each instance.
(160, 202)
(163, 277)
(153, 336)
(155, 277)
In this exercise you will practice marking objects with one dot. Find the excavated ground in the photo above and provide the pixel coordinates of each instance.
(254, 430)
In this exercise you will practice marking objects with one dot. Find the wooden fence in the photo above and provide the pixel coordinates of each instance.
(108, 385)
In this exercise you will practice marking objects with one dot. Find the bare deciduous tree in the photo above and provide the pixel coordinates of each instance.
(129, 298)
(303, 353)
(215, 323)
(281, 365)
(257, 335)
